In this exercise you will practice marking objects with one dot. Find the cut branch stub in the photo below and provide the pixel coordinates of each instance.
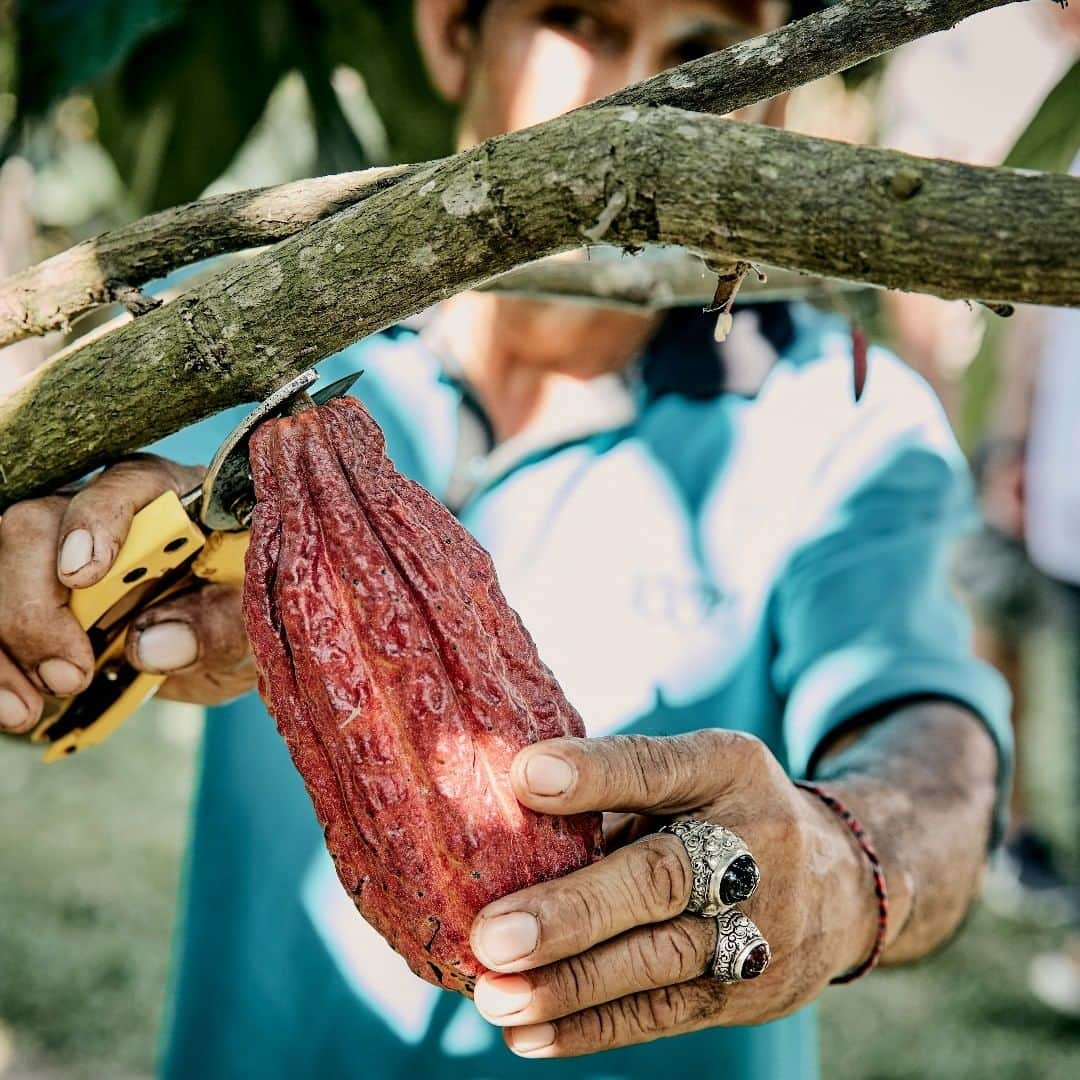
(724, 189)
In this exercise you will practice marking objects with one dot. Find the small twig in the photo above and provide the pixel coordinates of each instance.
(134, 301)
(860, 347)
(860, 343)
(728, 281)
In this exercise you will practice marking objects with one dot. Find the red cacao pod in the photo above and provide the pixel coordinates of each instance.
(403, 684)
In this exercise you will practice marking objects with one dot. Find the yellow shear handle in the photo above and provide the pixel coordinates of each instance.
(161, 539)
(222, 560)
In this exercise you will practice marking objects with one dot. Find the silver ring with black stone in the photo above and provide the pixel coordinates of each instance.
(741, 951)
(725, 872)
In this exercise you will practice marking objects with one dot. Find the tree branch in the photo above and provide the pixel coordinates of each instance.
(840, 37)
(47, 296)
(625, 176)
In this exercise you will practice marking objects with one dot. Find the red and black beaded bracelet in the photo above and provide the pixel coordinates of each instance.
(880, 891)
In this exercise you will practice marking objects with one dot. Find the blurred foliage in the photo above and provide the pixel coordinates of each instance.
(71, 42)
(1050, 142)
(7, 50)
(180, 84)
(7, 70)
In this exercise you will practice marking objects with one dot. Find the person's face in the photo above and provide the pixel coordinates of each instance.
(530, 60)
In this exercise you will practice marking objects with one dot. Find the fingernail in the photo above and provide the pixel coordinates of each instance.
(76, 551)
(62, 677)
(501, 995)
(13, 713)
(527, 1040)
(507, 938)
(547, 775)
(167, 646)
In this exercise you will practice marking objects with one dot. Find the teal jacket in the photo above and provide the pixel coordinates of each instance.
(685, 556)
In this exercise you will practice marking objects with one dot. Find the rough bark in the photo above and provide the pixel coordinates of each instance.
(623, 175)
(46, 297)
(838, 38)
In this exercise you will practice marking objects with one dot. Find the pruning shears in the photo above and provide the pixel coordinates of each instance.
(173, 542)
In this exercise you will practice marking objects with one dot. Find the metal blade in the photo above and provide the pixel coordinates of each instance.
(228, 494)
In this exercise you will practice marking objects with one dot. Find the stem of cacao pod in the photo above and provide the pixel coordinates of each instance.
(301, 403)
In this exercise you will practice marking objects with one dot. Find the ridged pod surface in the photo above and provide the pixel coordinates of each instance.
(403, 684)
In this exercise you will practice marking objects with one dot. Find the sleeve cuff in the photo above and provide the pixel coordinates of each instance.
(848, 683)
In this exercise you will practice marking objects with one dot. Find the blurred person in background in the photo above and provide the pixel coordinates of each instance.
(967, 95)
(690, 558)
(1017, 572)
(1031, 496)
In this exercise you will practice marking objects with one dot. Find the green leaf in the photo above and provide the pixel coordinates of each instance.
(185, 99)
(378, 40)
(338, 147)
(65, 44)
(1051, 141)
(175, 114)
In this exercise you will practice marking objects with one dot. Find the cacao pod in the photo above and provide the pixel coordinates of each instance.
(403, 684)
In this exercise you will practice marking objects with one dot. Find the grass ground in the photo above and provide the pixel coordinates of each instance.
(89, 862)
(90, 852)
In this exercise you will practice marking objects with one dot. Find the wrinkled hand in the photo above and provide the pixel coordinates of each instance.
(50, 545)
(605, 957)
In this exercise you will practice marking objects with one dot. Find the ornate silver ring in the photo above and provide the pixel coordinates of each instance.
(741, 952)
(725, 872)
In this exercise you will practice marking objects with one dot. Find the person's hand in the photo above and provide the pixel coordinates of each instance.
(605, 957)
(52, 544)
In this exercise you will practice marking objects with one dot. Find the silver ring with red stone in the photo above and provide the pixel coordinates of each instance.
(741, 952)
(725, 872)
